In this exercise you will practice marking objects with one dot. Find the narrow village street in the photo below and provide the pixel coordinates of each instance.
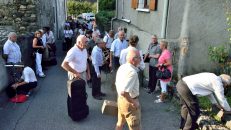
(46, 108)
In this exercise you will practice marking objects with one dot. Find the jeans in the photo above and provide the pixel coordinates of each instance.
(152, 78)
(190, 107)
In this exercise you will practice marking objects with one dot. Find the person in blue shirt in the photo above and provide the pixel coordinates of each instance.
(97, 63)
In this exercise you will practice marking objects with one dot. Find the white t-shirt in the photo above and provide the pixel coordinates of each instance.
(123, 56)
(108, 40)
(205, 84)
(127, 80)
(77, 59)
(28, 75)
(50, 37)
(68, 33)
(13, 51)
(44, 39)
(81, 32)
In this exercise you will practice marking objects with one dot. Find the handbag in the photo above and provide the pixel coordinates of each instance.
(147, 58)
(163, 73)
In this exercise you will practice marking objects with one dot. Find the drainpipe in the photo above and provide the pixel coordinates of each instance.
(184, 42)
(164, 19)
(116, 15)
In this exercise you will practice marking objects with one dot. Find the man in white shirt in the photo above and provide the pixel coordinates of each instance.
(117, 46)
(75, 62)
(133, 41)
(202, 84)
(97, 63)
(108, 39)
(28, 82)
(11, 50)
(127, 86)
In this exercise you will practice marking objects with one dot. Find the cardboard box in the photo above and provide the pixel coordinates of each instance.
(110, 108)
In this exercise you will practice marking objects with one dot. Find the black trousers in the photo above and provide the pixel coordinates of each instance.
(116, 63)
(23, 89)
(68, 44)
(152, 78)
(190, 110)
(96, 83)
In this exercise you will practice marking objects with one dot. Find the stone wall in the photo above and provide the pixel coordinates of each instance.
(20, 14)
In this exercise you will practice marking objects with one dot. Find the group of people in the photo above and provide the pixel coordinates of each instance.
(43, 45)
(91, 55)
(86, 59)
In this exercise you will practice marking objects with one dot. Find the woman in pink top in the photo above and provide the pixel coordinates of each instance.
(165, 59)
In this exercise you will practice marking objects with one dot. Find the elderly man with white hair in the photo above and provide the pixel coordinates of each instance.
(11, 50)
(75, 61)
(202, 84)
(127, 86)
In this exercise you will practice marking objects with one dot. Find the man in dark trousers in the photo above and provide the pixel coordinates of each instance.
(153, 53)
(97, 62)
(202, 84)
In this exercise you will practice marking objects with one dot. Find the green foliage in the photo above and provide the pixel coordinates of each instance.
(204, 103)
(107, 5)
(103, 19)
(76, 8)
(218, 54)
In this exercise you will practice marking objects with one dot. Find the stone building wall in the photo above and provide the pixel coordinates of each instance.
(20, 14)
(25, 17)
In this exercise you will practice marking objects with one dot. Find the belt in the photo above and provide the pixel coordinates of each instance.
(132, 98)
(81, 72)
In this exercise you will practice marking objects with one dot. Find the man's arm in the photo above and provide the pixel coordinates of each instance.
(65, 65)
(88, 71)
(154, 56)
(129, 99)
(111, 55)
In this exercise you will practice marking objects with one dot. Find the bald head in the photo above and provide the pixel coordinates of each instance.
(12, 36)
(133, 56)
(81, 41)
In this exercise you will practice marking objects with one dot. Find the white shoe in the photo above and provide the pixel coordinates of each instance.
(158, 96)
(158, 101)
(42, 76)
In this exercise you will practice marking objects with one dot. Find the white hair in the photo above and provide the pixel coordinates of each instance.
(131, 54)
(79, 39)
(11, 34)
(225, 78)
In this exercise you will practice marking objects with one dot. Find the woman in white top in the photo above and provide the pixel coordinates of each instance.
(82, 30)
(38, 49)
(68, 33)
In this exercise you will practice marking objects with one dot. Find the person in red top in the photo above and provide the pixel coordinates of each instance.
(165, 59)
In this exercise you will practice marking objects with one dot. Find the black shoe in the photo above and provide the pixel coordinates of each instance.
(149, 92)
(98, 97)
(102, 94)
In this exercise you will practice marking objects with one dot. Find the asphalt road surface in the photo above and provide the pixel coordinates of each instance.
(46, 108)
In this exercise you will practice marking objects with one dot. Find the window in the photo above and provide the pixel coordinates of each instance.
(144, 5)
